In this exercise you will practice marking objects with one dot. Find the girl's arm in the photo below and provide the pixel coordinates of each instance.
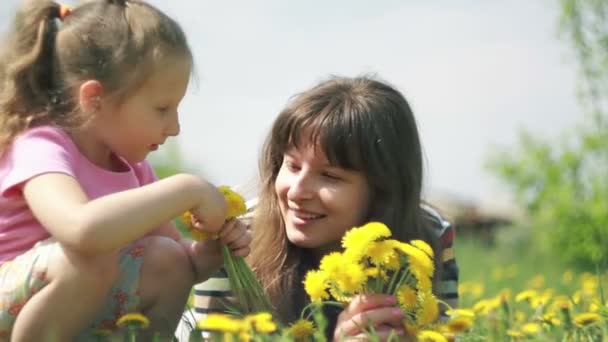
(112, 221)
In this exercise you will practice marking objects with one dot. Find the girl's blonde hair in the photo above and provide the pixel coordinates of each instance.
(47, 55)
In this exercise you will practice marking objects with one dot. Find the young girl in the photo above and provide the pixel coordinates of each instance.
(85, 232)
(339, 155)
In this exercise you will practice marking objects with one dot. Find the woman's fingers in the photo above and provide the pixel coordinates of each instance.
(367, 311)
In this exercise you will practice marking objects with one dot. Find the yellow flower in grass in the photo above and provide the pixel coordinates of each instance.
(531, 329)
(514, 333)
(460, 313)
(351, 279)
(261, 322)
(430, 336)
(429, 310)
(459, 324)
(519, 316)
(407, 298)
(551, 319)
(586, 318)
(222, 323)
(315, 285)
(423, 246)
(302, 329)
(235, 203)
(527, 295)
(134, 318)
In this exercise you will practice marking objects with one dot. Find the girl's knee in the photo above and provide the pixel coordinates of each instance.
(165, 257)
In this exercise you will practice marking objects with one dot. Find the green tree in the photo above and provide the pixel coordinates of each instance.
(564, 183)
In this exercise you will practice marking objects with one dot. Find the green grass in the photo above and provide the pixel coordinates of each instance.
(513, 262)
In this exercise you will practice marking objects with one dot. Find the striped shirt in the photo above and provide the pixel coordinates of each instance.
(210, 294)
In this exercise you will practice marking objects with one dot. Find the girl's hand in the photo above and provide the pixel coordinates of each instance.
(379, 311)
(209, 216)
(236, 235)
(206, 255)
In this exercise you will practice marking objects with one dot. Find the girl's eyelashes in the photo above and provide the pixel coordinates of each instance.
(162, 109)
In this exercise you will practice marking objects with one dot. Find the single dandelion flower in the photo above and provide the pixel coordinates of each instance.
(261, 322)
(519, 316)
(235, 203)
(460, 313)
(407, 298)
(356, 241)
(429, 310)
(430, 336)
(423, 246)
(551, 319)
(586, 318)
(332, 264)
(302, 329)
(423, 281)
(315, 285)
(514, 333)
(133, 319)
(380, 253)
(418, 259)
(526, 295)
(351, 279)
(220, 322)
(459, 324)
(531, 329)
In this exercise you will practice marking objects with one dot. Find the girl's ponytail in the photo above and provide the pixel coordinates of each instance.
(27, 86)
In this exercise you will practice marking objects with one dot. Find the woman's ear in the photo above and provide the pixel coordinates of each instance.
(89, 96)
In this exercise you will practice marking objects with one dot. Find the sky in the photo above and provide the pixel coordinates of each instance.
(475, 72)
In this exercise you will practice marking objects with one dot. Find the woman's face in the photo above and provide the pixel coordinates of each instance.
(319, 202)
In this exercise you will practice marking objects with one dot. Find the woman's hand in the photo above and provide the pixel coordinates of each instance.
(377, 311)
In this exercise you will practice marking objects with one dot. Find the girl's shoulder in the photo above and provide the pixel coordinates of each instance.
(43, 132)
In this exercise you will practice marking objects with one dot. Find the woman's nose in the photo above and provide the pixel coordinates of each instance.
(301, 187)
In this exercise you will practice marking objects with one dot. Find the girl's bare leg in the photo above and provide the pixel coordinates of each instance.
(165, 283)
(77, 287)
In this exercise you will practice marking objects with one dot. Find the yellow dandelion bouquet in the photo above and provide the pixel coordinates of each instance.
(373, 263)
(247, 290)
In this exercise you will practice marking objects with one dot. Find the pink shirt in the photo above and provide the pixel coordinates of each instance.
(42, 150)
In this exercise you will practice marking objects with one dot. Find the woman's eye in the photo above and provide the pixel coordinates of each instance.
(331, 176)
(291, 166)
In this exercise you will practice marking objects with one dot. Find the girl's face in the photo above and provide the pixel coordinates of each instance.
(319, 202)
(149, 116)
